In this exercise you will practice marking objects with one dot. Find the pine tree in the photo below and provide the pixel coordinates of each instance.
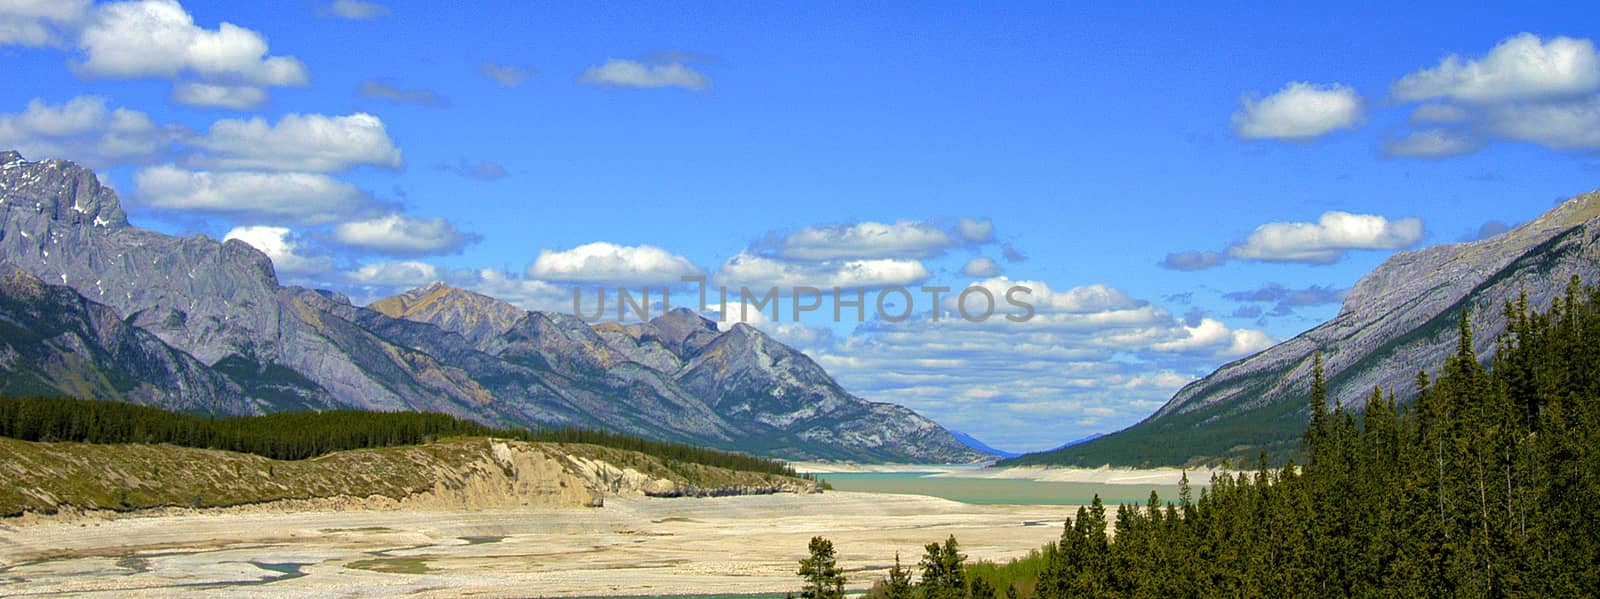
(820, 571)
(898, 585)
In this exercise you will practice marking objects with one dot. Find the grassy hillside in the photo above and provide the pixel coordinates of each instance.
(45, 477)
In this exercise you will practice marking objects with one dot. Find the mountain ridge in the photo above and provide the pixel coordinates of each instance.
(1397, 320)
(268, 347)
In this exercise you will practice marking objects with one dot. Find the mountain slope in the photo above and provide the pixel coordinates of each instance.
(220, 335)
(1396, 321)
(738, 387)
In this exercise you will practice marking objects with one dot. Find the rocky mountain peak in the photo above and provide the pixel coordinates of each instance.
(57, 191)
(683, 332)
(475, 316)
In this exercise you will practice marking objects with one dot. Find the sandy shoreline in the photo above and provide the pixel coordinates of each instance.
(632, 546)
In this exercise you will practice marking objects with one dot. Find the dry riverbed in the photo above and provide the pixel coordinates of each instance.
(632, 546)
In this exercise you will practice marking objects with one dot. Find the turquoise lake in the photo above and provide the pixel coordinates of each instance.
(997, 491)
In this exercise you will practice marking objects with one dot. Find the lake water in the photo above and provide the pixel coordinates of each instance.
(998, 491)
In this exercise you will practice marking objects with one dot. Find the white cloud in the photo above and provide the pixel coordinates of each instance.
(310, 142)
(1433, 143)
(1439, 113)
(395, 274)
(529, 294)
(355, 10)
(236, 97)
(759, 272)
(618, 72)
(285, 250)
(84, 130)
(981, 267)
(1093, 359)
(1523, 67)
(157, 38)
(974, 230)
(1525, 89)
(504, 74)
(36, 23)
(903, 239)
(1299, 112)
(602, 262)
(1571, 125)
(402, 235)
(1326, 240)
(1213, 337)
(302, 198)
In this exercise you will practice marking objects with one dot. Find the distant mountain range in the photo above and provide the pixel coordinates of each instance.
(1398, 320)
(974, 443)
(93, 307)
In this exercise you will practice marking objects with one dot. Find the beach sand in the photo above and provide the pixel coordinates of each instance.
(632, 546)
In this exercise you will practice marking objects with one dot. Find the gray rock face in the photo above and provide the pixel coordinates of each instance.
(215, 332)
(1398, 320)
(54, 341)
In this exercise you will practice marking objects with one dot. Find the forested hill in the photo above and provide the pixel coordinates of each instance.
(1399, 318)
(1484, 486)
(301, 435)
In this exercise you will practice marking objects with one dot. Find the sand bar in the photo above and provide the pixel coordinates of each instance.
(632, 546)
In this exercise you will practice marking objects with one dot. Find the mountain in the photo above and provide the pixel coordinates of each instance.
(738, 386)
(93, 306)
(1396, 321)
(973, 442)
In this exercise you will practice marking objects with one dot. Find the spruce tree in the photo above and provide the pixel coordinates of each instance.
(820, 572)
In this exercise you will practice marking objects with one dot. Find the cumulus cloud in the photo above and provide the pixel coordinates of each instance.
(401, 235)
(308, 142)
(865, 240)
(617, 72)
(1433, 143)
(1439, 113)
(1327, 240)
(981, 267)
(504, 74)
(286, 250)
(157, 38)
(1523, 67)
(759, 272)
(1299, 112)
(1212, 335)
(84, 129)
(602, 262)
(1525, 89)
(395, 274)
(354, 10)
(37, 23)
(1093, 359)
(1563, 126)
(372, 88)
(973, 230)
(301, 198)
(206, 95)
(526, 293)
(1191, 261)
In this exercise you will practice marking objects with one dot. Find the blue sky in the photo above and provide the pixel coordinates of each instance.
(372, 147)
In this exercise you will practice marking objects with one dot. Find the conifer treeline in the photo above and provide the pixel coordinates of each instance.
(301, 435)
(1485, 486)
